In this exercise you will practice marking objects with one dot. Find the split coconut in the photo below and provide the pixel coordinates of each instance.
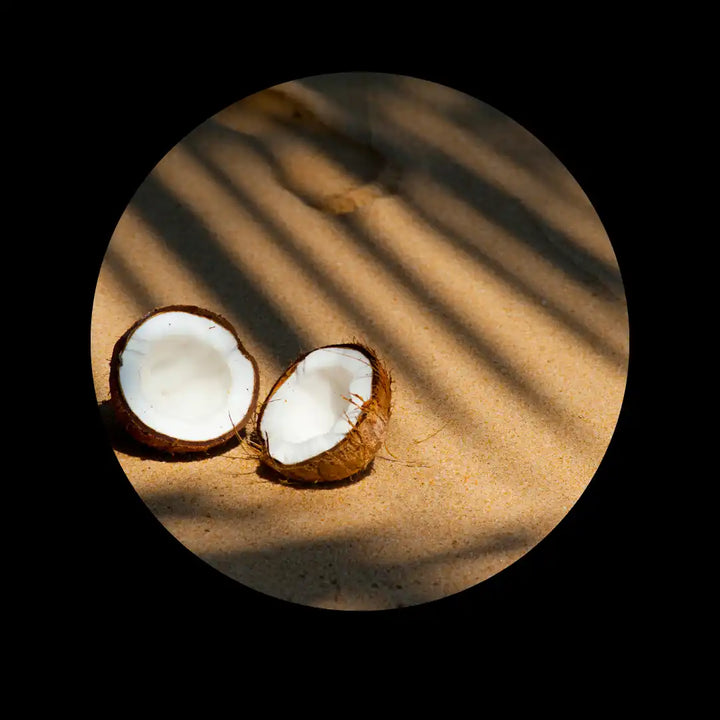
(181, 380)
(326, 417)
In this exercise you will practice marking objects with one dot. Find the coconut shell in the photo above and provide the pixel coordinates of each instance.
(357, 449)
(146, 435)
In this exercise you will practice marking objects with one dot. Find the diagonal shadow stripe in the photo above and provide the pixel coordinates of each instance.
(461, 241)
(486, 122)
(595, 341)
(347, 304)
(499, 364)
(123, 274)
(498, 206)
(201, 254)
(311, 570)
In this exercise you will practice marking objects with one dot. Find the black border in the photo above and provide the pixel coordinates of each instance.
(579, 579)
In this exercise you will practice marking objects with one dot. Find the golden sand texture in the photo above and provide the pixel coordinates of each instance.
(431, 227)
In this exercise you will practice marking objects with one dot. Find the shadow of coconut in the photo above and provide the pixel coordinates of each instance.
(267, 473)
(121, 441)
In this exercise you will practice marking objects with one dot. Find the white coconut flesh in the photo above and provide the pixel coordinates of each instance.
(317, 405)
(184, 376)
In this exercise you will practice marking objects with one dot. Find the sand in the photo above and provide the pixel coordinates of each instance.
(432, 227)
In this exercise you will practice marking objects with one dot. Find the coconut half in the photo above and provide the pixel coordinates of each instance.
(181, 380)
(326, 417)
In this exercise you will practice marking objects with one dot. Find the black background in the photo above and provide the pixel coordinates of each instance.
(127, 581)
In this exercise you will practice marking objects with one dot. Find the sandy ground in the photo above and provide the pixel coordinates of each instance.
(435, 229)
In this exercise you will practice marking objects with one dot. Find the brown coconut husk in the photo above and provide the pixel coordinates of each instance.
(357, 449)
(146, 435)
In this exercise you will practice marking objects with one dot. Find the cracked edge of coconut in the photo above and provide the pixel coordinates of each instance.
(143, 426)
(354, 449)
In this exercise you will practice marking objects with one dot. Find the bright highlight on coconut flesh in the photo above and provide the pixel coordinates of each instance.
(317, 405)
(184, 376)
(181, 381)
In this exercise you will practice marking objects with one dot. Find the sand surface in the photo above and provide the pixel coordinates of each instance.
(433, 228)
